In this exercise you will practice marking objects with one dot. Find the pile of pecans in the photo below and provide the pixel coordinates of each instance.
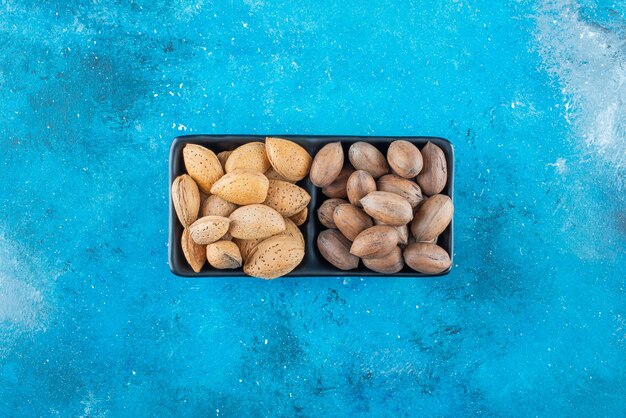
(387, 211)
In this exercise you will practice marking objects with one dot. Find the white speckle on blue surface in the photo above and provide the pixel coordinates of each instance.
(23, 307)
(531, 95)
(560, 165)
(588, 60)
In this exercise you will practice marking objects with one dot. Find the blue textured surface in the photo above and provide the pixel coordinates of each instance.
(532, 320)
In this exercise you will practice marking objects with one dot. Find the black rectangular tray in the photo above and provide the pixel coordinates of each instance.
(313, 264)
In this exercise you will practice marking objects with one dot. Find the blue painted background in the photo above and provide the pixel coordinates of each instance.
(532, 320)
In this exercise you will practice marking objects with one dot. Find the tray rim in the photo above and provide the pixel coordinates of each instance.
(191, 138)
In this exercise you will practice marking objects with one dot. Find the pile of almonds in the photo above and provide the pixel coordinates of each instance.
(242, 207)
(394, 211)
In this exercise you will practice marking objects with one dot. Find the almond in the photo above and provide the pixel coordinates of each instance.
(242, 187)
(389, 264)
(203, 197)
(375, 242)
(337, 188)
(289, 159)
(274, 257)
(389, 208)
(327, 164)
(223, 255)
(432, 218)
(195, 254)
(351, 221)
(404, 159)
(246, 246)
(326, 210)
(223, 157)
(208, 229)
(300, 217)
(186, 199)
(255, 221)
(202, 165)
(249, 156)
(271, 174)
(335, 248)
(433, 177)
(286, 198)
(427, 258)
(364, 156)
(292, 230)
(406, 188)
(216, 206)
(360, 184)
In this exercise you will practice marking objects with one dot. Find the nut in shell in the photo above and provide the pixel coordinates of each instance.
(351, 221)
(242, 187)
(300, 217)
(274, 257)
(432, 218)
(360, 184)
(327, 164)
(326, 211)
(289, 159)
(335, 248)
(434, 175)
(186, 199)
(292, 230)
(223, 255)
(216, 206)
(408, 189)
(365, 156)
(223, 157)
(403, 232)
(246, 246)
(404, 159)
(255, 221)
(388, 208)
(427, 258)
(208, 229)
(271, 174)
(286, 198)
(195, 254)
(249, 156)
(202, 165)
(389, 264)
(375, 242)
(337, 189)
